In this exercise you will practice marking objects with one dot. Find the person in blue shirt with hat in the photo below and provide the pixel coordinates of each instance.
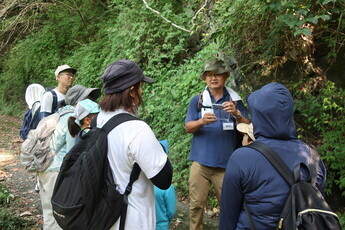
(211, 118)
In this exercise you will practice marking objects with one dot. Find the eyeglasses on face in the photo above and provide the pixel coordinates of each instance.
(68, 74)
(213, 75)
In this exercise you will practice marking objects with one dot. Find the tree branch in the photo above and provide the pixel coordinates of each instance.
(157, 12)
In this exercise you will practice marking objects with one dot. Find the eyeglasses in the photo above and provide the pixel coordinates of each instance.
(213, 75)
(68, 74)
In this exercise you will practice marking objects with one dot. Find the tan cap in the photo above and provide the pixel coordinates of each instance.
(65, 67)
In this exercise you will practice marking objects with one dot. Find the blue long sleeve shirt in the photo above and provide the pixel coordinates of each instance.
(165, 207)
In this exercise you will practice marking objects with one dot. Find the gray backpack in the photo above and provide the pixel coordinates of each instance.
(36, 155)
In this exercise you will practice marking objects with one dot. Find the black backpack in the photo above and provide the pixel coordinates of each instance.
(305, 207)
(31, 120)
(85, 195)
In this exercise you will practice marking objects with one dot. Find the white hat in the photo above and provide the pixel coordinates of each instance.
(33, 93)
(61, 68)
(247, 129)
(84, 108)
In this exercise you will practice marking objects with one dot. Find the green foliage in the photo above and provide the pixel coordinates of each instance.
(7, 219)
(342, 219)
(323, 115)
(13, 109)
(262, 35)
(5, 196)
(34, 59)
(239, 27)
(260, 31)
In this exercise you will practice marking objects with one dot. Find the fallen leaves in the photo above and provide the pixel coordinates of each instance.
(26, 213)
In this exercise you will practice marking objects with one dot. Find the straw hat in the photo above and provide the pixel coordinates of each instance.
(247, 129)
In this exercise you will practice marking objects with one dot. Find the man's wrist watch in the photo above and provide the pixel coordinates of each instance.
(239, 116)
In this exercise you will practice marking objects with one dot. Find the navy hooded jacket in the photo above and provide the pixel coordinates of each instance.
(251, 177)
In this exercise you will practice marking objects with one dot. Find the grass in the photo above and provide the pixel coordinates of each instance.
(9, 221)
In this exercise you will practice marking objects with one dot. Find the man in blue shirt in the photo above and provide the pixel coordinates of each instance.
(211, 118)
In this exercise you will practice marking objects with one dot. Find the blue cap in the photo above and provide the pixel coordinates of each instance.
(84, 108)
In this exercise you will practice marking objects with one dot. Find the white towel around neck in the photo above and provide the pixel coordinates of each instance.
(206, 100)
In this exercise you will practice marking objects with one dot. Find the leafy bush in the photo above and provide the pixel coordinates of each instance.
(322, 112)
(342, 219)
(262, 31)
(13, 109)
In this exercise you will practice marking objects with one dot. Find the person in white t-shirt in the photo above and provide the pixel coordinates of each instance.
(49, 104)
(65, 76)
(133, 142)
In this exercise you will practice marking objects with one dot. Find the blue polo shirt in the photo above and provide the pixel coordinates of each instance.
(211, 145)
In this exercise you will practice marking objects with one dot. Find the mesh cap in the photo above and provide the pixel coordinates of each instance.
(84, 108)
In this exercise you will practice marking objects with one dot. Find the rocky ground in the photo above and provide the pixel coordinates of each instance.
(25, 202)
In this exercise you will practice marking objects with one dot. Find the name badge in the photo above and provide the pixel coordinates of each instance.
(228, 125)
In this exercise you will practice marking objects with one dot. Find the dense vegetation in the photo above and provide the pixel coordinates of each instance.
(298, 43)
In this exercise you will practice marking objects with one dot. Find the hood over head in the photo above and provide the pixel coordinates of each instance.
(271, 108)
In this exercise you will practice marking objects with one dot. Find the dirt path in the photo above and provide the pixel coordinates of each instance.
(26, 201)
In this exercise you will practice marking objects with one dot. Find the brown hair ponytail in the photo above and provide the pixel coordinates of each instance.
(73, 128)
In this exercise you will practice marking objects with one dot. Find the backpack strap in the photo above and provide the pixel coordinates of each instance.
(275, 160)
(55, 101)
(116, 120)
(314, 164)
(110, 125)
(277, 163)
(200, 101)
(134, 176)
